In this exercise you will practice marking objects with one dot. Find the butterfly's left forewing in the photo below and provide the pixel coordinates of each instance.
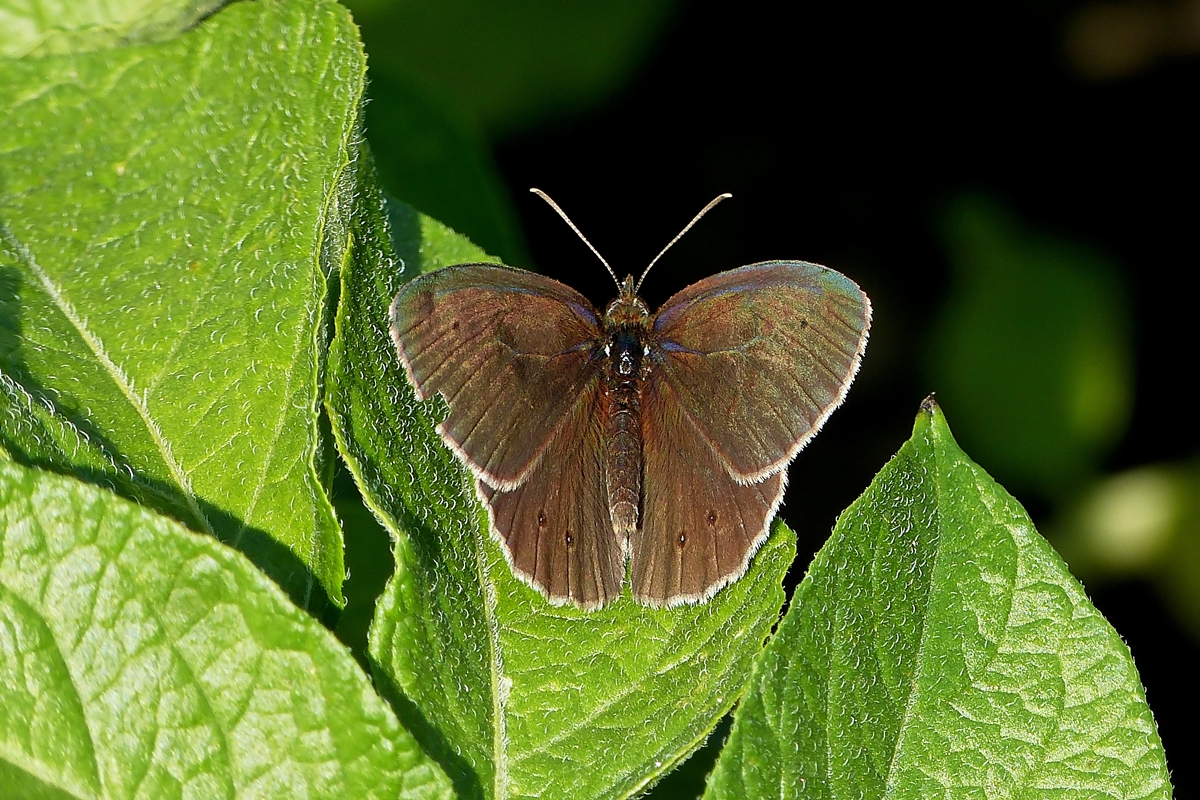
(511, 352)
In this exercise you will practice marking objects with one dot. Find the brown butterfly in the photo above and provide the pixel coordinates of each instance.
(658, 440)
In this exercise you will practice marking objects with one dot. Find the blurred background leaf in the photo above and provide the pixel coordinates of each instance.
(1031, 349)
(445, 75)
(512, 65)
(1109, 41)
(1142, 523)
(49, 27)
(431, 156)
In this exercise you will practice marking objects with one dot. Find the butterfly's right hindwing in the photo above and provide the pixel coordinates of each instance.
(699, 526)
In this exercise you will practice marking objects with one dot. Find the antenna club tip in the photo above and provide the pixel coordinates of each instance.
(726, 195)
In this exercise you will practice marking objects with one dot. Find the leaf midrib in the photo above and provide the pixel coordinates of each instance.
(114, 373)
(890, 784)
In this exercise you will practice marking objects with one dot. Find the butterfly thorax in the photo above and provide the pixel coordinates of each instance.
(626, 322)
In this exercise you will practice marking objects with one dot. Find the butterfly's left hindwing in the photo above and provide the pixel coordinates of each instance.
(555, 527)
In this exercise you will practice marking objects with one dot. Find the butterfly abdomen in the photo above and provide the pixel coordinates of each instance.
(623, 428)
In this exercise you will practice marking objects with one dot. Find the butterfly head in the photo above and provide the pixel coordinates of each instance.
(628, 310)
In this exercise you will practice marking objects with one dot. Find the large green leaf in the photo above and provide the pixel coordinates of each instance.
(939, 648)
(515, 697)
(138, 659)
(170, 216)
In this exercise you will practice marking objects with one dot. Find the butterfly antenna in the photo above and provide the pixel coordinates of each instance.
(578, 233)
(686, 228)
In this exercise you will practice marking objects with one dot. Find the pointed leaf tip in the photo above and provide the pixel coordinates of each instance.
(935, 622)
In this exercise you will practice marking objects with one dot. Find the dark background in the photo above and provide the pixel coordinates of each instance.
(874, 139)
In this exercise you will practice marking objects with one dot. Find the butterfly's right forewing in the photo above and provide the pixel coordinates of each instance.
(747, 364)
(511, 352)
(760, 356)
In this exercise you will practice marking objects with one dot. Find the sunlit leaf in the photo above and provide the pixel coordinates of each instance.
(44, 27)
(138, 659)
(169, 218)
(939, 648)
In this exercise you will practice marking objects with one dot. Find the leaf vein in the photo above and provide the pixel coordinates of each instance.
(115, 373)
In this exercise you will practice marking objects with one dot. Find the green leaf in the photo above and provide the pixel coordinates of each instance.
(939, 648)
(515, 697)
(140, 659)
(170, 217)
(1032, 349)
(46, 27)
